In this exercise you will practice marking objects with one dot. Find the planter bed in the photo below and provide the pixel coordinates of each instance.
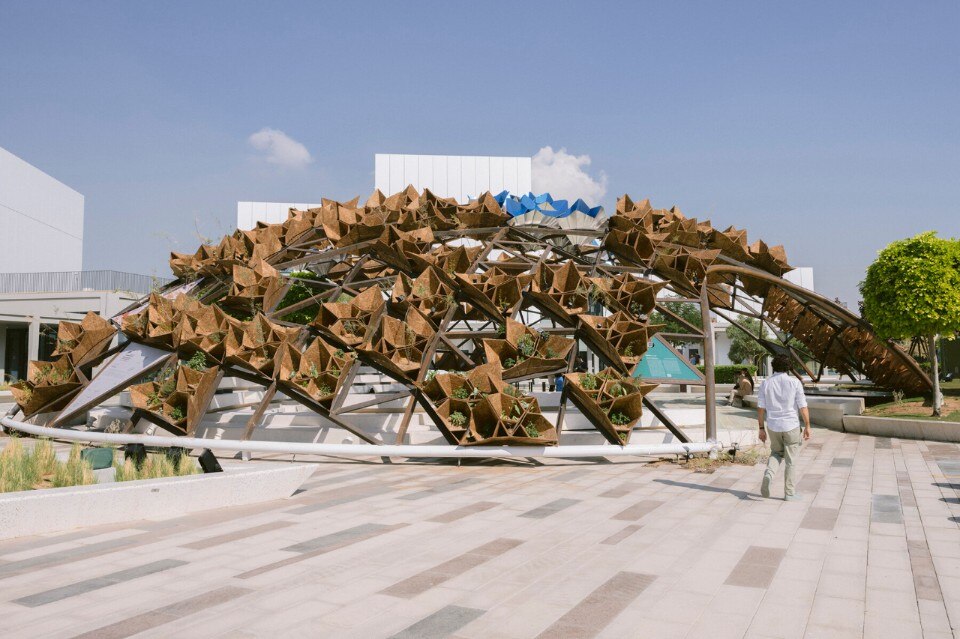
(48, 510)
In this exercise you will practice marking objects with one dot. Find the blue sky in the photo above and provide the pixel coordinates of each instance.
(831, 128)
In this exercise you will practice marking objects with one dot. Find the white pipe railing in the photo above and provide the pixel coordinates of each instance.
(364, 450)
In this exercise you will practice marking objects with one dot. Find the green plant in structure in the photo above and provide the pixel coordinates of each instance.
(526, 345)
(298, 292)
(259, 337)
(617, 390)
(458, 419)
(66, 344)
(176, 414)
(198, 362)
(344, 298)
(338, 353)
(323, 389)
(501, 330)
(461, 393)
(509, 362)
(628, 351)
(531, 431)
(430, 375)
(50, 374)
(589, 382)
(314, 371)
(619, 419)
(623, 436)
(550, 353)
(353, 327)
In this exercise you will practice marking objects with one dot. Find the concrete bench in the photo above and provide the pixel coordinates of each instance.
(825, 411)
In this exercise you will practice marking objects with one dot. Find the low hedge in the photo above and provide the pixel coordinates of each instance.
(728, 374)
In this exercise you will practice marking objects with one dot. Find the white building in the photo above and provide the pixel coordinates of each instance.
(458, 176)
(41, 281)
(42, 220)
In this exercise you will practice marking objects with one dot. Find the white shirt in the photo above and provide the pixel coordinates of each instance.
(781, 396)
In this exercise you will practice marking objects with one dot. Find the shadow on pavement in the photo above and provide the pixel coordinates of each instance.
(739, 494)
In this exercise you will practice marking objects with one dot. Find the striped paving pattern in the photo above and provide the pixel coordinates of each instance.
(510, 550)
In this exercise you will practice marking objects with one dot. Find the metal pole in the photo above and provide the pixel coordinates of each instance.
(366, 450)
(710, 396)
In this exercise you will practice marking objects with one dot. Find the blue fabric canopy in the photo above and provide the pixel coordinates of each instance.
(517, 205)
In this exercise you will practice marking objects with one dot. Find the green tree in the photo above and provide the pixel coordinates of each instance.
(743, 348)
(689, 312)
(913, 290)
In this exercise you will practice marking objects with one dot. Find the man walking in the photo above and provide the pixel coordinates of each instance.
(778, 400)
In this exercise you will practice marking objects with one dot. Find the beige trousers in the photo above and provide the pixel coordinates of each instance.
(783, 446)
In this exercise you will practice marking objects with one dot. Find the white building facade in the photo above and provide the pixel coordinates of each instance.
(42, 220)
(458, 176)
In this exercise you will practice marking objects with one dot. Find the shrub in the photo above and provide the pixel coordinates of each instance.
(458, 419)
(75, 472)
(727, 374)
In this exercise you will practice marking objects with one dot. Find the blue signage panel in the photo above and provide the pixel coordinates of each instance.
(661, 362)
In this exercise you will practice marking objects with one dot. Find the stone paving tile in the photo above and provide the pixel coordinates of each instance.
(465, 511)
(375, 550)
(440, 624)
(166, 614)
(550, 508)
(622, 534)
(89, 585)
(432, 577)
(599, 608)
(638, 510)
(321, 545)
(208, 542)
(820, 518)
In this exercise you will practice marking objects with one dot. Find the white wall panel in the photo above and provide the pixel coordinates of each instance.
(482, 181)
(249, 213)
(524, 175)
(425, 172)
(496, 172)
(42, 220)
(440, 176)
(468, 177)
(381, 171)
(454, 176)
(511, 178)
(396, 175)
(411, 172)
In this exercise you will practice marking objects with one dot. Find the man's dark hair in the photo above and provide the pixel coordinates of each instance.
(781, 363)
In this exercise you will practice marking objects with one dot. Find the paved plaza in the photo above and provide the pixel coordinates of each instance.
(560, 549)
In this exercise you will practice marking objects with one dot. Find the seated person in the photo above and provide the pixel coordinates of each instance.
(741, 388)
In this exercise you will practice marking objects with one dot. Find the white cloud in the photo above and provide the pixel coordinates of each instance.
(562, 175)
(279, 148)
